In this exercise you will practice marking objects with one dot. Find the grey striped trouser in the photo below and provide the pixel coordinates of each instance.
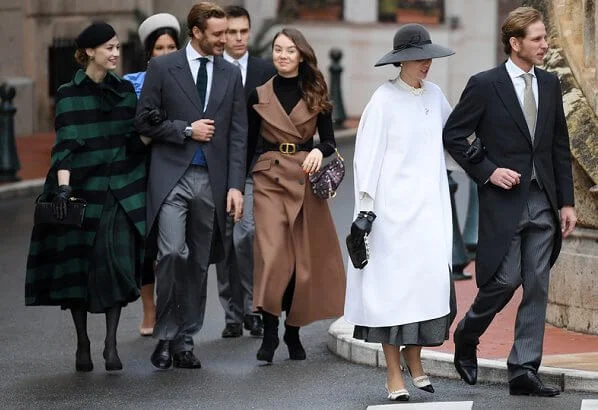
(526, 263)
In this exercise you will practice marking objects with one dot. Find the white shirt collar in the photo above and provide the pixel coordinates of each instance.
(192, 53)
(242, 61)
(516, 72)
(412, 90)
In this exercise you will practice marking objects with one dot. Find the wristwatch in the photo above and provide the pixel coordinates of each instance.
(188, 132)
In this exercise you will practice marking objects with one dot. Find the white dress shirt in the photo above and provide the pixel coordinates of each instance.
(241, 62)
(519, 83)
(193, 59)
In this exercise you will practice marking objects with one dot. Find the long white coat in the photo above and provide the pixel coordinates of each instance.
(399, 162)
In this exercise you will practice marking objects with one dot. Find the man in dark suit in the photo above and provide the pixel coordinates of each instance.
(235, 273)
(525, 183)
(197, 174)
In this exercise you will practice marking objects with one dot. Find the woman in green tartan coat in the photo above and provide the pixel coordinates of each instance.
(98, 157)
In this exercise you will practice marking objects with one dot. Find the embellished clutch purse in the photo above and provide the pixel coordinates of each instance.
(75, 213)
(326, 181)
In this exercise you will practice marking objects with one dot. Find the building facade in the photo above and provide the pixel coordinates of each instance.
(362, 29)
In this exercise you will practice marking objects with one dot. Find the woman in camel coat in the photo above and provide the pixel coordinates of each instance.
(298, 263)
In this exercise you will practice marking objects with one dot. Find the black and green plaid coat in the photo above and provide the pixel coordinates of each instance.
(97, 142)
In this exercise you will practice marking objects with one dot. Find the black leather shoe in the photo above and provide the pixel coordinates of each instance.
(465, 359)
(186, 360)
(161, 358)
(232, 330)
(253, 323)
(529, 384)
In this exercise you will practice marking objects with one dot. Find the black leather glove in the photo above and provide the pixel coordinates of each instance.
(362, 226)
(60, 200)
(363, 223)
(476, 152)
(155, 116)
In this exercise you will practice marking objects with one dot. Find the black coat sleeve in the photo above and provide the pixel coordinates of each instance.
(462, 123)
(326, 132)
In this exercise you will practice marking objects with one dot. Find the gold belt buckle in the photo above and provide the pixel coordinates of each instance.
(287, 148)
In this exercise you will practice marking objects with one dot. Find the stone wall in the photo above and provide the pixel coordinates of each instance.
(573, 292)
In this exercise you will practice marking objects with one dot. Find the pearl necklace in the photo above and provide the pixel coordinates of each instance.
(412, 90)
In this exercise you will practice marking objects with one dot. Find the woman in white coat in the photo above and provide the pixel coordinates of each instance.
(402, 297)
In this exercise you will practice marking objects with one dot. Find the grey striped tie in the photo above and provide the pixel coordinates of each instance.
(529, 104)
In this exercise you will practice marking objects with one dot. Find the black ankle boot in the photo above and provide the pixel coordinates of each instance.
(291, 338)
(112, 360)
(83, 361)
(270, 340)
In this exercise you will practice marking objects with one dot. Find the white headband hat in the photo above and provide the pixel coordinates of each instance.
(155, 22)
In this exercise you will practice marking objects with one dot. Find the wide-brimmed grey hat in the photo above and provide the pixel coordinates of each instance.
(412, 42)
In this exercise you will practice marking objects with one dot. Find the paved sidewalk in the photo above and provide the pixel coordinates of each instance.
(570, 359)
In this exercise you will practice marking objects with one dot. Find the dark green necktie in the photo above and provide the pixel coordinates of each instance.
(202, 80)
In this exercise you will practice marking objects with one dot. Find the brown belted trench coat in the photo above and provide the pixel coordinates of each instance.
(294, 231)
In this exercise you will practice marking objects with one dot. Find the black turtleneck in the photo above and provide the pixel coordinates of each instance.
(288, 93)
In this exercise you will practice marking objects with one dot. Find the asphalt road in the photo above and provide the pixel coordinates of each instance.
(37, 347)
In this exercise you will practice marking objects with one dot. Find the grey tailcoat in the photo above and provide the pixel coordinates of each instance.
(169, 86)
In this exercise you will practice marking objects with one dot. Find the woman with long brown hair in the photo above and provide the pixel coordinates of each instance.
(298, 264)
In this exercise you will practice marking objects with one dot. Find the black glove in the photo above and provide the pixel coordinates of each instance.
(356, 245)
(363, 223)
(60, 200)
(476, 152)
(154, 117)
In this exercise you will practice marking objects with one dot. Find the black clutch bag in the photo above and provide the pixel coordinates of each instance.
(75, 213)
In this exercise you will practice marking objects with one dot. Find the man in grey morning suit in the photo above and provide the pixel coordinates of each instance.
(197, 174)
(524, 182)
(235, 273)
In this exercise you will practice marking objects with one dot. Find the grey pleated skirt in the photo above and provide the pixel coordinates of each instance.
(431, 332)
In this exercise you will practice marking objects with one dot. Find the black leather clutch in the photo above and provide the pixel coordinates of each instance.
(75, 213)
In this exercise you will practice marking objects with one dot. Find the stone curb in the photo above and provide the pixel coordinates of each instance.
(341, 343)
(34, 186)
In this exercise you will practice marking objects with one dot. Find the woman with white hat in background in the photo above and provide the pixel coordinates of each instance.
(404, 295)
(159, 35)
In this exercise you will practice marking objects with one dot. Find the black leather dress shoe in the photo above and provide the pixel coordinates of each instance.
(529, 384)
(253, 323)
(161, 358)
(186, 360)
(232, 330)
(465, 359)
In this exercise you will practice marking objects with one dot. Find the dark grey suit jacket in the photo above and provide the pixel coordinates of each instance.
(169, 86)
(490, 108)
(259, 71)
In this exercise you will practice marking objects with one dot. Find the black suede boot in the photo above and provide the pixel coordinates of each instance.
(291, 338)
(270, 341)
(83, 361)
(110, 353)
